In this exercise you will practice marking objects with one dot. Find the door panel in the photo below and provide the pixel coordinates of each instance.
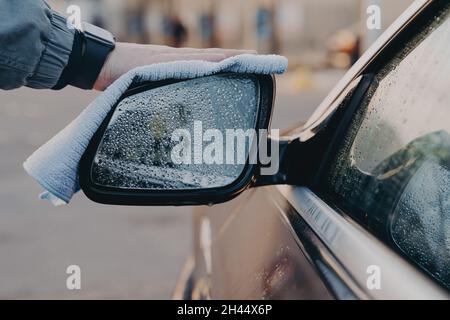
(253, 254)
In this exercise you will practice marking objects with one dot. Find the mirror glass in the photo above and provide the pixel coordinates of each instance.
(194, 134)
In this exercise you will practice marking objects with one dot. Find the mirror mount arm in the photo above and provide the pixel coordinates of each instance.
(291, 170)
(300, 158)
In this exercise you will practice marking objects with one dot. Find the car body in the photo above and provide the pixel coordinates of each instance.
(329, 238)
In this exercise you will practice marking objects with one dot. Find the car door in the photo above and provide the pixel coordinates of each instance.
(391, 172)
(374, 221)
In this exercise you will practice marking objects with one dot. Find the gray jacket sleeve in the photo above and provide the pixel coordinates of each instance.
(35, 44)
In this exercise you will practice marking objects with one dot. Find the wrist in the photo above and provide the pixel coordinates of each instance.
(113, 66)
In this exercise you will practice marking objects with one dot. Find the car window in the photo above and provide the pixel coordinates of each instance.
(392, 172)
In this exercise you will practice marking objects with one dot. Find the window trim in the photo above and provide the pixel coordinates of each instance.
(418, 10)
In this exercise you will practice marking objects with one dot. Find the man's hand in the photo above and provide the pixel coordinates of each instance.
(127, 56)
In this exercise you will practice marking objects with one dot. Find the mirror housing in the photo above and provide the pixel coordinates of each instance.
(103, 185)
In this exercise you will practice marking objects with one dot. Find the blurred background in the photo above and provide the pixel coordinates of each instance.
(132, 252)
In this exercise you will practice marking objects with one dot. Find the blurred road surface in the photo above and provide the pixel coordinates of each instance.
(123, 252)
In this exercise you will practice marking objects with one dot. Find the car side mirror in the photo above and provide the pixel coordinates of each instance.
(179, 142)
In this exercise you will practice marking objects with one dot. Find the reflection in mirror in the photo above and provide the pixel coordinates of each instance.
(185, 135)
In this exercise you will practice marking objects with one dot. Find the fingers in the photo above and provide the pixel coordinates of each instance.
(168, 57)
(127, 56)
(159, 49)
(227, 52)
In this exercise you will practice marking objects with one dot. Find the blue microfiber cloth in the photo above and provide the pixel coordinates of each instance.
(55, 164)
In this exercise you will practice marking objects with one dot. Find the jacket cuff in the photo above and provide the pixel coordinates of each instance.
(55, 55)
